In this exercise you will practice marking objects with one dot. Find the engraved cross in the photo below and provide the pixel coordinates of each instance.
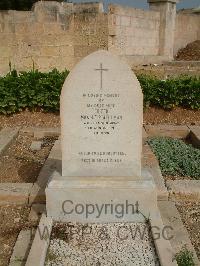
(101, 69)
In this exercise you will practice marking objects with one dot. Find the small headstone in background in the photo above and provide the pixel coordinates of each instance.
(36, 145)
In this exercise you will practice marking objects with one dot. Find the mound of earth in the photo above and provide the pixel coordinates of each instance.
(190, 53)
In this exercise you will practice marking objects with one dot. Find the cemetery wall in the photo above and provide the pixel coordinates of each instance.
(133, 31)
(60, 34)
(187, 30)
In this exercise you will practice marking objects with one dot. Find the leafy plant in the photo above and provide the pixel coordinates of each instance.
(175, 157)
(34, 89)
(185, 258)
(31, 90)
(181, 91)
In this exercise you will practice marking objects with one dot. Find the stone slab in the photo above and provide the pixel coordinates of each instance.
(40, 243)
(52, 164)
(180, 132)
(7, 135)
(195, 136)
(68, 192)
(184, 190)
(21, 248)
(150, 165)
(163, 246)
(36, 145)
(40, 132)
(15, 193)
(180, 236)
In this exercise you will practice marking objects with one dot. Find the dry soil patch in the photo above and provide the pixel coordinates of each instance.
(190, 214)
(19, 164)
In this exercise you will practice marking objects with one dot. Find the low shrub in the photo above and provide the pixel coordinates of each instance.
(181, 91)
(34, 89)
(176, 158)
(31, 90)
(185, 258)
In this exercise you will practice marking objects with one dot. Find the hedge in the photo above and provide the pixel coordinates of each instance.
(180, 91)
(34, 89)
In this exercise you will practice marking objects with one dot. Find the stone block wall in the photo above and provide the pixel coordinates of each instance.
(52, 35)
(90, 33)
(58, 35)
(133, 31)
(187, 30)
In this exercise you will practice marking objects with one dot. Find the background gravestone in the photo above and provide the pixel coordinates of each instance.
(101, 117)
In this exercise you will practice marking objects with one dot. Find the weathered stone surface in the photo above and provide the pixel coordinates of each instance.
(21, 248)
(36, 145)
(179, 235)
(40, 132)
(167, 131)
(14, 193)
(65, 193)
(40, 243)
(52, 164)
(186, 190)
(7, 135)
(150, 165)
(102, 134)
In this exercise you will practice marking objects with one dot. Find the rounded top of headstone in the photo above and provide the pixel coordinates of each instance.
(106, 66)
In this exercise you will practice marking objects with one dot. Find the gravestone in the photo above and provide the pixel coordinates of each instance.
(101, 118)
(101, 140)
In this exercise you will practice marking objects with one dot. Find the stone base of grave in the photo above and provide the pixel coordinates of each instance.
(101, 199)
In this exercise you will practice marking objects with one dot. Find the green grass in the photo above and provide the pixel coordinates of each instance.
(176, 158)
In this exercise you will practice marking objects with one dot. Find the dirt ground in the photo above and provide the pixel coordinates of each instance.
(29, 119)
(152, 115)
(190, 53)
(20, 164)
(178, 116)
(190, 214)
(12, 220)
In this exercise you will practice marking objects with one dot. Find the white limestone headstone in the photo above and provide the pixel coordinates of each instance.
(101, 118)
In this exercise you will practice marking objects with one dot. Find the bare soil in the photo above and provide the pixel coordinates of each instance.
(190, 214)
(29, 119)
(20, 164)
(152, 115)
(178, 178)
(12, 220)
(190, 53)
(177, 116)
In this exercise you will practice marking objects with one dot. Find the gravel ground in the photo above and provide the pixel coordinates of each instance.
(152, 115)
(20, 164)
(101, 244)
(190, 214)
(12, 220)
